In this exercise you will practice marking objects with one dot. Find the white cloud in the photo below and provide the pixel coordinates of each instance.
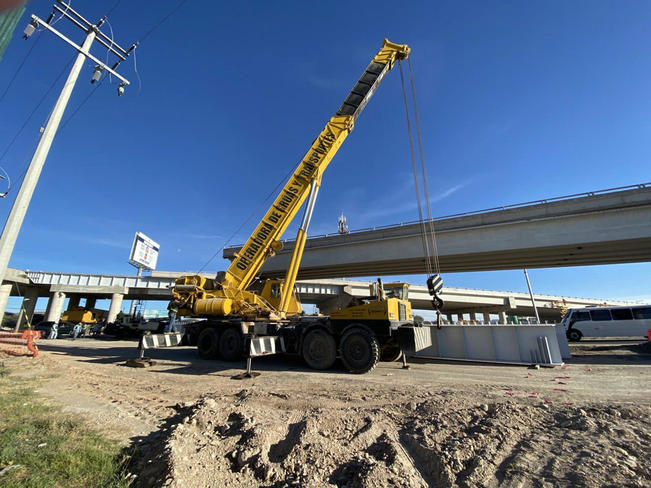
(384, 208)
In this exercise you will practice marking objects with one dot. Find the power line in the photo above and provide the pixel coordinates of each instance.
(22, 127)
(83, 102)
(22, 63)
(112, 8)
(145, 36)
(160, 22)
(251, 215)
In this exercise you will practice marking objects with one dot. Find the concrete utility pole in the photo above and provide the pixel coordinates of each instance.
(93, 33)
(533, 301)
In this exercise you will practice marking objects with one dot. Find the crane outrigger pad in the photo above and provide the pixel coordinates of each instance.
(153, 341)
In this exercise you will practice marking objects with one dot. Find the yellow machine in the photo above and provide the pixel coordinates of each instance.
(81, 315)
(236, 310)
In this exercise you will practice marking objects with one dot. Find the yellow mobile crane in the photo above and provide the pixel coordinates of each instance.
(236, 310)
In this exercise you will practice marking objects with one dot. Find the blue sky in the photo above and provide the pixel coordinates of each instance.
(518, 101)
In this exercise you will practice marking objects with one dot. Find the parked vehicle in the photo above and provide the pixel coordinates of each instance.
(632, 321)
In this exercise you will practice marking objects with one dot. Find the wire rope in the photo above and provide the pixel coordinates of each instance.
(430, 221)
(425, 243)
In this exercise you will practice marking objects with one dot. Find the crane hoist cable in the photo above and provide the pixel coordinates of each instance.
(434, 281)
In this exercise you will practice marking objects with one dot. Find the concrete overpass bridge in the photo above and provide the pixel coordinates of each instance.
(603, 227)
(327, 294)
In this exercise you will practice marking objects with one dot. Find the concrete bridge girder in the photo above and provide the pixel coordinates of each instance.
(599, 229)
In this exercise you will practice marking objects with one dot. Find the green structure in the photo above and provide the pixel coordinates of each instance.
(8, 21)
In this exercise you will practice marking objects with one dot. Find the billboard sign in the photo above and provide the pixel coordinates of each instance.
(144, 252)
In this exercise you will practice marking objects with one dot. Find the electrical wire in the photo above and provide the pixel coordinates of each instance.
(160, 22)
(5, 177)
(109, 49)
(135, 68)
(20, 67)
(112, 8)
(245, 222)
(65, 11)
(29, 117)
(83, 102)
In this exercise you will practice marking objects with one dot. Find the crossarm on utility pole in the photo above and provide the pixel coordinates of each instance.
(81, 49)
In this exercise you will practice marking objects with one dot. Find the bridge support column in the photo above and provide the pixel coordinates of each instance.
(487, 318)
(55, 306)
(5, 291)
(116, 306)
(473, 317)
(27, 308)
(73, 301)
(502, 317)
(450, 319)
(90, 302)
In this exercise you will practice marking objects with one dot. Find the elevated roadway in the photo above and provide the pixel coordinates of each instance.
(327, 294)
(604, 227)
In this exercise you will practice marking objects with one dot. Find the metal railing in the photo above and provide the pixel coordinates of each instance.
(482, 211)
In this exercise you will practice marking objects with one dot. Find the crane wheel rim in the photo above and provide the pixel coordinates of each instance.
(360, 351)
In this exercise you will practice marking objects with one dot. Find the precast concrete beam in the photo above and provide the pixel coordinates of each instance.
(55, 306)
(607, 228)
(88, 291)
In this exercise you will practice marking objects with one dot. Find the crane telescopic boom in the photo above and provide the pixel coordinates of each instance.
(249, 260)
(195, 295)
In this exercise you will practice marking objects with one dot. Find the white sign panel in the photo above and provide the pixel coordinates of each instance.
(144, 252)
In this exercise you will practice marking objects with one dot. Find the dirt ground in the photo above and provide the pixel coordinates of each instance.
(438, 424)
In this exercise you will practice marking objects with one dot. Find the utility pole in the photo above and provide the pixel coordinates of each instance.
(132, 310)
(533, 301)
(93, 33)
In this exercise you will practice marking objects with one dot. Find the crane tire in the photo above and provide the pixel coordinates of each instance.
(208, 343)
(390, 352)
(359, 350)
(319, 349)
(231, 344)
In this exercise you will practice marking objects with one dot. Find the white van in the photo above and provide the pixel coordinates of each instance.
(607, 322)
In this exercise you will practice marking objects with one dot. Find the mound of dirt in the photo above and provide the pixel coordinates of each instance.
(255, 439)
